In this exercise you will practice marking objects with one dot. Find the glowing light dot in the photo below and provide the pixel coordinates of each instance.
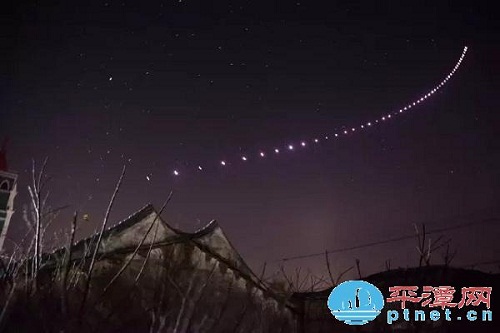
(291, 147)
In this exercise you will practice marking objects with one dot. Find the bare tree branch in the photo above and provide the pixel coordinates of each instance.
(99, 239)
(125, 265)
(68, 257)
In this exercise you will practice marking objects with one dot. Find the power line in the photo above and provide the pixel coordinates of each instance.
(392, 240)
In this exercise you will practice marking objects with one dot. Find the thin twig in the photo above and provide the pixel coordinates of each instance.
(358, 267)
(327, 259)
(125, 265)
(98, 244)
(69, 252)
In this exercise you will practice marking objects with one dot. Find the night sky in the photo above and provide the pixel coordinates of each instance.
(173, 85)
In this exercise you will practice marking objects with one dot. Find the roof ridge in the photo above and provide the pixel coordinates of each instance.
(205, 230)
(123, 224)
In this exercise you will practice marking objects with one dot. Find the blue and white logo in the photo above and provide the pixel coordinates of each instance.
(355, 302)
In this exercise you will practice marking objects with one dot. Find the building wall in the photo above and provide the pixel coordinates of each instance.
(190, 291)
(180, 288)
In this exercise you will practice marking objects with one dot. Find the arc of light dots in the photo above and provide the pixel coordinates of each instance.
(303, 144)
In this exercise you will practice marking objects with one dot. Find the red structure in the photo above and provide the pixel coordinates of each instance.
(3, 156)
